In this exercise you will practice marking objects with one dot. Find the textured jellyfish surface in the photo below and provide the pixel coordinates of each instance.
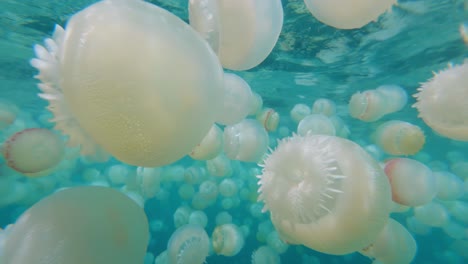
(234, 131)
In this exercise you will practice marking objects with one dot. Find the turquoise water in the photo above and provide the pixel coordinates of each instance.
(311, 60)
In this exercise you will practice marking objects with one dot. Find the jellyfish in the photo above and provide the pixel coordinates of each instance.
(198, 218)
(220, 166)
(227, 240)
(189, 244)
(317, 124)
(396, 97)
(210, 146)
(245, 141)
(399, 138)
(299, 111)
(404, 174)
(145, 86)
(265, 255)
(324, 106)
(348, 14)
(432, 214)
(237, 100)
(325, 192)
(269, 118)
(256, 104)
(77, 225)
(441, 102)
(394, 244)
(449, 186)
(228, 187)
(242, 33)
(33, 152)
(8, 113)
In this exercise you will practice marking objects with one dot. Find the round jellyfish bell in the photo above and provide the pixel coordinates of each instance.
(368, 106)
(237, 100)
(348, 14)
(8, 113)
(318, 124)
(145, 86)
(210, 146)
(92, 225)
(441, 102)
(241, 32)
(324, 106)
(189, 244)
(269, 118)
(265, 255)
(396, 97)
(245, 141)
(326, 193)
(33, 152)
(227, 240)
(399, 138)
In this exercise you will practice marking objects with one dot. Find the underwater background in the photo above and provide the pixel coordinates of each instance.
(311, 60)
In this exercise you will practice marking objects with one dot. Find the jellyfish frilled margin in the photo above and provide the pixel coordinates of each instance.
(132, 78)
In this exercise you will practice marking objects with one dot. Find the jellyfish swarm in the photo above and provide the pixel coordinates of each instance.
(92, 225)
(326, 193)
(346, 14)
(189, 244)
(33, 152)
(399, 138)
(441, 102)
(145, 86)
(242, 32)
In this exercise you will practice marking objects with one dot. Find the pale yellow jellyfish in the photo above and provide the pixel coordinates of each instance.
(227, 240)
(189, 244)
(237, 100)
(8, 113)
(241, 32)
(131, 78)
(441, 102)
(316, 124)
(269, 118)
(326, 193)
(210, 146)
(91, 225)
(33, 152)
(348, 14)
(399, 138)
(245, 141)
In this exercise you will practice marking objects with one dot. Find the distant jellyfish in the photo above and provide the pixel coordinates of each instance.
(326, 193)
(181, 216)
(227, 187)
(276, 243)
(33, 152)
(145, 86)
(78, 225)
(404, 174)
(256, 104)
(394, 244)
(341, 129)
(227, 240)
(223, 218)
(316, 124)
(348, 14)
(299, 111)
(432, 214)
(269, 118)
(245, 141)
(208, 190)
(441, 102)
(449, 186)
(198, 218)
(220, 166)
(396, 97)
(236, 101)
(265, 255)
(242, 32)
(324, 106)
(210, 146)
(367, 106)
(189, 244)
(399, 138)
(8, 113)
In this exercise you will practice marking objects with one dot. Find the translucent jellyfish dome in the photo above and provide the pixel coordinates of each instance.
(227, 240)
(145, 86)
(326, 193)
(441, 102)
(8, 113)
(241, 32)
(237, 100)
(92, 225)
(346, 14)
(189, 244)
(399, 138)
(33, 152)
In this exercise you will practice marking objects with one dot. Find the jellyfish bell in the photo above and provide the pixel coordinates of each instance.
(148, 107)
(299, 111)
(367, 106)
(396, 97)
(348, 14)
(80, 225)
(441, 102)
(269, 118)
(318, 124)
(33, 152)
(242, 33)
(325, 192)
(189, 244)
(399, 138)
(227, 240)
(210, 146)
(8, 113)
(237, 100)
(324, 106)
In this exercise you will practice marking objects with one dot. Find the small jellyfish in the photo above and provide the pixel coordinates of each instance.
(299, 111)
(394, 244)
(396, 97)
(227, 240)
(8, 113)
(348, 14)
(245, 141)
(92, 225)
(236, 102)
(145, 86)
(241, 32)
(399, 138)
(189, 244)
(324, 106)
(449, 186)
(256, 104)
(265, 255)
(210, 146)
(404, 174)
(198, 218)
(432, 214)
(441, 102)
(367, 106)
(228, 187)
(33, 152)
(325, 192)
(208, 190)
(220, 166)
(269, 118)
(316, 124)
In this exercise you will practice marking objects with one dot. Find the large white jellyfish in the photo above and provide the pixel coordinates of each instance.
(326, 193)
(441, 102)
(131, 78)
(92, 225)
(241, 32)
(348, 14)
(188, 244)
